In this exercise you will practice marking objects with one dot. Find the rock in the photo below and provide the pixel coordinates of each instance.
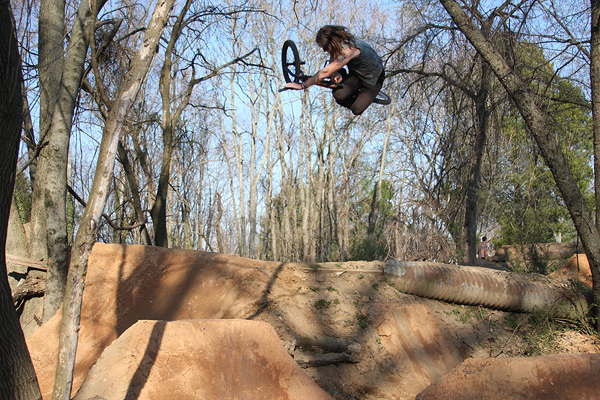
(198, 359)
(354, 347)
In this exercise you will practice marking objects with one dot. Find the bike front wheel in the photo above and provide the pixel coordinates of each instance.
(290, 62)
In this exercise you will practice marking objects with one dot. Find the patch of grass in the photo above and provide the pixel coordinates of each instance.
(511, 321)
(332, 289)
(539, 332)
(480, 314)
(299, 288)
(361, 276)
(314, 289)
(315, 266)
(320, 304)
(376, 286)
(363, 320)
(356, 302)
(392, 284)
(463, 314)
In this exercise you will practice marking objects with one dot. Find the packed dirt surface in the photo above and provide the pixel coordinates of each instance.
(355, 335)
(221, 359)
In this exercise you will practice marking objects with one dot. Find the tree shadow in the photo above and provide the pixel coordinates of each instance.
(140, 377)
(264, 301)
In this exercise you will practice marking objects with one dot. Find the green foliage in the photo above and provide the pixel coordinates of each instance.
(531, 209)
(361, 249)
(363, 320)
(462, 313)
(320, 304)
(332, 289)
(22, 197)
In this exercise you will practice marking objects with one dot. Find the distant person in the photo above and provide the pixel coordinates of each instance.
(482, 249)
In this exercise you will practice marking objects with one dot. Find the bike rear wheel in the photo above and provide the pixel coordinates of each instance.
(290, 62)
(382, 98)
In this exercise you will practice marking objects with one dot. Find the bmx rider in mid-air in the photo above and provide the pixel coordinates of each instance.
(365, 75)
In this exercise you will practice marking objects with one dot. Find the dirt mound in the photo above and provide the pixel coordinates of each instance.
(369, 340)
(198, 359)
(125, 284)
(577, 268)
(573, 377)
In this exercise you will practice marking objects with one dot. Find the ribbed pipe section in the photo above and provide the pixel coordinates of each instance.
(473, 286)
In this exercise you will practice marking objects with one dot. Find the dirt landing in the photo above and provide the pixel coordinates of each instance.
(560, 377)
(198, 359)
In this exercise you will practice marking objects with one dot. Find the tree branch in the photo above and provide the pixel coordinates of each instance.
(106, 217)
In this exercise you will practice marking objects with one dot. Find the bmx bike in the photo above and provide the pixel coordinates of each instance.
(291, 64)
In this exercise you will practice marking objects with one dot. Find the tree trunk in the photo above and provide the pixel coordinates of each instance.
(536, 121)
(159, 209)
(135, 193)
(17, 376)
(52, 177)
(595, 83)
(51, 66)
(86, 234)
(473, 189)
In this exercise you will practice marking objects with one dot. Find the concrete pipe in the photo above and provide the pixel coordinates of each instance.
(478, 286)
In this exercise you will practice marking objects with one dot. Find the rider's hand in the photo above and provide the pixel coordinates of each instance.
(336, 77)
(294, 85)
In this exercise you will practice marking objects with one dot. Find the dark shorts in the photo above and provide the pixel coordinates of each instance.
(356, 94)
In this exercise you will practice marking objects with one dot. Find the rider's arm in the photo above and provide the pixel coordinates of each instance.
(327, 71)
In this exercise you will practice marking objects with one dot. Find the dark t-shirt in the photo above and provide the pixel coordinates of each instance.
(368, 66)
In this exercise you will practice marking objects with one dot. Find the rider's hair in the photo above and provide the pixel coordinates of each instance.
(332, 38)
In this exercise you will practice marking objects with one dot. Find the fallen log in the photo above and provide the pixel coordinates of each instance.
(27, 262)
(327, 359)
(32, 287)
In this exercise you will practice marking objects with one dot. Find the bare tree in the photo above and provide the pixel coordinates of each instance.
(86, 234)
(56, 127)
(540, 128)
(172, 110)
(473, 79)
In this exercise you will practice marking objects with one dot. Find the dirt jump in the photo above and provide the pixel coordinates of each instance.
(159, 323)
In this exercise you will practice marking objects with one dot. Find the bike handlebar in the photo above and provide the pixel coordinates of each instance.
(326, 83)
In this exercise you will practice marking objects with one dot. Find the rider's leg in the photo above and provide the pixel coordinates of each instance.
(366, 95)
(345, 95)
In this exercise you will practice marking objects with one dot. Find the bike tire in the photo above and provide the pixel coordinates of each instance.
(291, 65)
(382, 98)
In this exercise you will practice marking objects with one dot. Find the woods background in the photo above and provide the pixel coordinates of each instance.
(212, 157)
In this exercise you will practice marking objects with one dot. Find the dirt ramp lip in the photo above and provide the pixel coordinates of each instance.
(198, 359)
(559, 377)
